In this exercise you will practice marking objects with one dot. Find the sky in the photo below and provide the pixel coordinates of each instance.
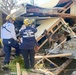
(41, 2)
(48, 3)
(36, 1)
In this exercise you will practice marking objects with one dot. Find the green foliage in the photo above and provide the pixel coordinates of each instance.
(12, 64)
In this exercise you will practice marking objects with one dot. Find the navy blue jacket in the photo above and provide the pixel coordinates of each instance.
(28, 39)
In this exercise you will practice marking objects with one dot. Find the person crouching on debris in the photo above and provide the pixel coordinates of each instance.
(28, 42)
(9, 39)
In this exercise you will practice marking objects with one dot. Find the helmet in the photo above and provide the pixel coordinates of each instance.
(13, 17)
(9, 17)
(26, 22)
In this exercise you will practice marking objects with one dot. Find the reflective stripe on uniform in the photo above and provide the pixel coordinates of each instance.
(29, 36)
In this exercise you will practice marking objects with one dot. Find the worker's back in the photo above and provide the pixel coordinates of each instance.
(28, 39)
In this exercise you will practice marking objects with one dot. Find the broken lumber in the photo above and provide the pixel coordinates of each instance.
(50, 52)
(53, 56)
(64, 65)
(18, 68)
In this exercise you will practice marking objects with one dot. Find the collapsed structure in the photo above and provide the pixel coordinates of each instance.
(51, 19)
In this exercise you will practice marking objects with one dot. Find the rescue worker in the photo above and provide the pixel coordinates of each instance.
(28, 43)
(9, 39)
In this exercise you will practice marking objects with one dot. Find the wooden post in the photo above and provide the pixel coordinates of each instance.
(18, 68)
(61, 68)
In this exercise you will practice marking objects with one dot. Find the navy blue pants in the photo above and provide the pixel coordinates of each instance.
(8, 43)
(28, 56)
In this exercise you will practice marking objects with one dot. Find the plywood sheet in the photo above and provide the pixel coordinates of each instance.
(45, 25)
(73, 9)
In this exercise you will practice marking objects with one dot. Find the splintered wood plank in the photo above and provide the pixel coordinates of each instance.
(62, 67)
(18, 68)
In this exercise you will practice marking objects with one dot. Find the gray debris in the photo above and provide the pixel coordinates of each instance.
(73, 73)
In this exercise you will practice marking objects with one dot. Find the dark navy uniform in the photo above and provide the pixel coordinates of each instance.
(27, 44)
(8, 37)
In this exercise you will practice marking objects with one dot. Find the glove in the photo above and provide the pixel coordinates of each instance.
(18, 40)
(36, 48)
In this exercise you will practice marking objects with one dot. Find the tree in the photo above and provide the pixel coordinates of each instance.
(7, 5)
(11, 7)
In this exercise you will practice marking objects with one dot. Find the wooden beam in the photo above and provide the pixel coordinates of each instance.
(57, 28)
(72, 32)
(18, 68)
(50, 28)
(61, 68)
(52, 62)
(53, 56)
(40, 37)
(63, 21)
(42, 44)
(64, 15)
(50, 52)
(56, 46)
(67, 4)
(67, 8)
(47, 39)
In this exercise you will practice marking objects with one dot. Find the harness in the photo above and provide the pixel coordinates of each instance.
(6, 28)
